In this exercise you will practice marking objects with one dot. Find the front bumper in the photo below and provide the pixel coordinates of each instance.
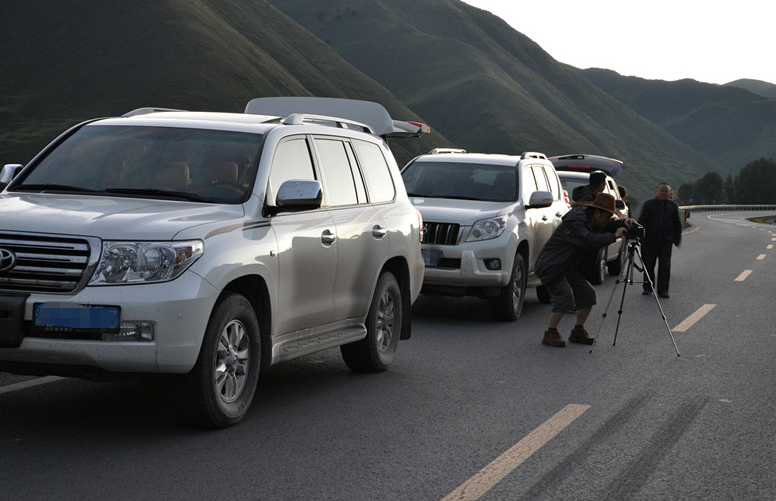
(178, 312)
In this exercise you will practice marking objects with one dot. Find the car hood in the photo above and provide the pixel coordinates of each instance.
(463, 212)
(109, 218)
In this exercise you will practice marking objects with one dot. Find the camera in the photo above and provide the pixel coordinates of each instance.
(635, 231)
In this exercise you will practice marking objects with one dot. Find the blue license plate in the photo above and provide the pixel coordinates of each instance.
(67, 317)
(431, 257)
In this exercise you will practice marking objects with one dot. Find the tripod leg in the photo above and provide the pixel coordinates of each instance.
(662, 313)
(623, 271)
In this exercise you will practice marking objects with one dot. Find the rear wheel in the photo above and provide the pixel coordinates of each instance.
(508, 305)
(219, 389)
(376, 351)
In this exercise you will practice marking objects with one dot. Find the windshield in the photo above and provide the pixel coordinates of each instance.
(158, 162)
(490, 183)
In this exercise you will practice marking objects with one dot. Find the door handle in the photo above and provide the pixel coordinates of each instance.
(379, 231)
(544, 218)
(327, 238)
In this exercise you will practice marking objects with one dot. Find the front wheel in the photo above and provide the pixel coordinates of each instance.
(376, 351)
(219, 389)
(508, 305)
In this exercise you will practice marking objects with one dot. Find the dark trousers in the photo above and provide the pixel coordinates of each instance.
(660, 253)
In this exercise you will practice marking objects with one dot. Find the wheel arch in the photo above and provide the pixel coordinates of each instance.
(254, 289)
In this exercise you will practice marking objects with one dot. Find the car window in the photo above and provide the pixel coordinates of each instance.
(552, 181)
(459, 180)
(541, 179)
(379, 183)
(292, 161)
(337, 171)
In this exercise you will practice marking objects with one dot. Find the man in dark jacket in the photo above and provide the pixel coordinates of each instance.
(561, 263)
(595, 185)
(662, 229)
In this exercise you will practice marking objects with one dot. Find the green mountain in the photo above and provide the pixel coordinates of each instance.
(65, 62)
(479, 84)
(726, 122)
(764, 89)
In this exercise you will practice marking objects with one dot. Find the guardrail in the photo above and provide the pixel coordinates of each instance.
(702, 208)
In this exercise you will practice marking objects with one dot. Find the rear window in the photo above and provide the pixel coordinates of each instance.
(465, 181)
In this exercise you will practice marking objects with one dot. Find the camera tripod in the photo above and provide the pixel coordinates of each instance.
(627, 271)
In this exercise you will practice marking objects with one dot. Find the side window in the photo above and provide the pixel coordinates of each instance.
(379, 183)
(541, 179)
(337, 171)
(292, 161)
(529, 180)
(552, 178)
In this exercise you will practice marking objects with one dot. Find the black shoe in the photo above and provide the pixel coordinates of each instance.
(664, 295)
(645, 293)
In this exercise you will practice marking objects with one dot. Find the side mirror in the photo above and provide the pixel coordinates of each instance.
(8, 173)
(540, 199)
(298, 195)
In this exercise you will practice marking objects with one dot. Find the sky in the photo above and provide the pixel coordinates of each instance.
(714, 42)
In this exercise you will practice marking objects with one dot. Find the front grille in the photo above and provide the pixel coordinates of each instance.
(44, 263)
(440, 233)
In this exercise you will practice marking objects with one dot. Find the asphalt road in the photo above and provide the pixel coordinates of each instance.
(471, 408)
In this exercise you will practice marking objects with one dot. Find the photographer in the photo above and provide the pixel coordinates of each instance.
(565, 258)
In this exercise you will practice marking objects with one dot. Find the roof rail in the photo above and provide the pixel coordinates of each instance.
(145, 111)
(533, 154)
(301, 118)
(437, 151)
(363, 112)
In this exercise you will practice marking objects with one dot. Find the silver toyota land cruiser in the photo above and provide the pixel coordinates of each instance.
(205, 246)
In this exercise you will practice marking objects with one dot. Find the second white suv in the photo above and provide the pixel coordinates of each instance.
(486, 217)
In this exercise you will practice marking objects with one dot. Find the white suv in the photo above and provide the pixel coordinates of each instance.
(209, 246)
(486, 217)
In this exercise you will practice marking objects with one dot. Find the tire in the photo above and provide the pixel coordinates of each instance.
(542, 294)
(219, 389)
(600, 268)
(377, 350)
(508, 305)
(615, 266)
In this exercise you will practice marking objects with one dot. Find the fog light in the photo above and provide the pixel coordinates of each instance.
(132, 331)
(493, 264)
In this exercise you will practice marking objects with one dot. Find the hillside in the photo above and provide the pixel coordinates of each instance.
(487, 87)
(111, 57)
(764, 89)
(726, 122)
(479, 84)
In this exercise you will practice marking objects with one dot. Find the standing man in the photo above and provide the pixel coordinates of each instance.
(662, 230)
(563, 260)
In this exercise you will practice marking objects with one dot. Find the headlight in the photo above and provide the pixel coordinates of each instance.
(486, 229)
(144, 262)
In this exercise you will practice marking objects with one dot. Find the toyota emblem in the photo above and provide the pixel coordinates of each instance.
(7, 260)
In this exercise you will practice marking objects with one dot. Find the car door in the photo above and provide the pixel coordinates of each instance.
(307, 247)
(362, 240)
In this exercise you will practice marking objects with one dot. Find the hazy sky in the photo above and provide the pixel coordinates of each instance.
(715, 42)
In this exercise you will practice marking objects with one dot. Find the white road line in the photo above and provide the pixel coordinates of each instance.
(743, 275)
(761, 257)
(29, 384)
(492, 474)
(770, 246)
(690, 321)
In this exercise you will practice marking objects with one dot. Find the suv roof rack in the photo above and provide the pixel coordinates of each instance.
(437, 151)
(300, 118)
(363, 114)
(146, 110)
(533, 154)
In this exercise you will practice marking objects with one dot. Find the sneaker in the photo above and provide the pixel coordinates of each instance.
(579, 335)
(552, 338)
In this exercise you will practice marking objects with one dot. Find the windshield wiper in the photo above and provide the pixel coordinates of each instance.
(43, 187)
(182, 195)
